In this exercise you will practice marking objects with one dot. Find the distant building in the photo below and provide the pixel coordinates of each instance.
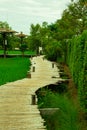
(40, 50)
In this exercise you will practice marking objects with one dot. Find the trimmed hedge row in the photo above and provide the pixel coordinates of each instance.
(77, 61)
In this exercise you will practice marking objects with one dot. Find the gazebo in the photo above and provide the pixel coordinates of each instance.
(23, 47)
(21, 35)
(4, 32)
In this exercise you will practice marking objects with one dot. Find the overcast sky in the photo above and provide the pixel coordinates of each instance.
(20, 14)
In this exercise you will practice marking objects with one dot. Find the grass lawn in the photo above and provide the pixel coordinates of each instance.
(12, 69)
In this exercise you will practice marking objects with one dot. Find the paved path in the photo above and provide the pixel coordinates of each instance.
(16, 109)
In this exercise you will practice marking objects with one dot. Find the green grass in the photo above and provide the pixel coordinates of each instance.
(12, 69)
(66, 118)
(18, 52)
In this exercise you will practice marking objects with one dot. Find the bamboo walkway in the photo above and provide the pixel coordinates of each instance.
(16, 109)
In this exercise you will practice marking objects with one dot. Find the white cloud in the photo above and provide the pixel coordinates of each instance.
(20, 13)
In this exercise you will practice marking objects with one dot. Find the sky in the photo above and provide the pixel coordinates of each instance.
(20, 14)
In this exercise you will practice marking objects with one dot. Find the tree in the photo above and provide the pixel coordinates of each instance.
(35, 37)
(23, 48)
(4, 25)
(5, 36)
(83, 2)
(54, 51)
(76, 17)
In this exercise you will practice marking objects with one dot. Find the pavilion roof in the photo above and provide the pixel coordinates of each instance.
(3, 30)
(21, 34)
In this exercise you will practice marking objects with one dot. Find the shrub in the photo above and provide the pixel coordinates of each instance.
(66, 118)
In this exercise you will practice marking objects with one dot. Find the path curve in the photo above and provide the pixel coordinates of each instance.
(16, 109)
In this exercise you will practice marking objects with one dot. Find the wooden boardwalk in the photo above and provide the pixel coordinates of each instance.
(16, 109)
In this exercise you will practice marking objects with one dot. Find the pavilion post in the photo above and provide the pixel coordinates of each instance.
(5, 32)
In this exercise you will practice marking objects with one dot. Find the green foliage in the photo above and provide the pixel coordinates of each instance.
(83, 2)
(13, 42)
(77, 61)
(53, 50)
(13, 69)
(4, 25)
(34, 39)
(23, 48)
(74, 19)
(66, 118)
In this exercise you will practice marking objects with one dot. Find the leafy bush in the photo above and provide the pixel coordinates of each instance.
(53, 51)
(23, 48)
(66, 118)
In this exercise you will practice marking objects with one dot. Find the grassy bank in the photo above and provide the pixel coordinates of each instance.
(66, 118)
(62, 96)
(12, 69)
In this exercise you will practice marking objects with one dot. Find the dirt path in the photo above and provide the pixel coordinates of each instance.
(16, 109)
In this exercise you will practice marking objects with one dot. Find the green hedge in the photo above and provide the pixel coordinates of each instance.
(77, 61)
